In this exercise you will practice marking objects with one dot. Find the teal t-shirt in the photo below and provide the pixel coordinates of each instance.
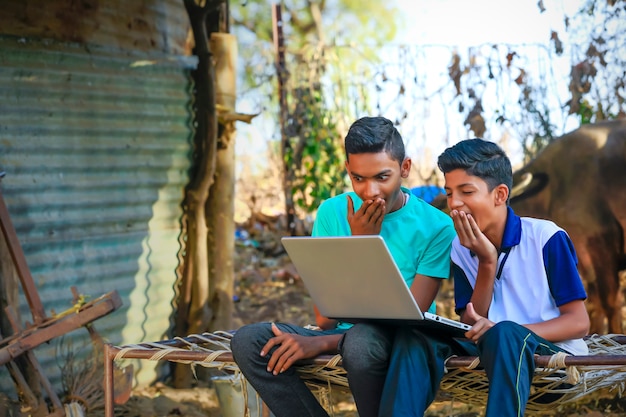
(419, 236)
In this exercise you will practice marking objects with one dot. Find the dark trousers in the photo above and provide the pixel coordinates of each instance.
(506, 352)
(365, 351)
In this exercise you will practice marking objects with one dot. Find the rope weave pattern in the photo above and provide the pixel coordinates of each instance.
(553, 385)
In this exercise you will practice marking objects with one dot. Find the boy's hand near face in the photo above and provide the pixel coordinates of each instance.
(368, 220)
(475, 240)
(472, 238)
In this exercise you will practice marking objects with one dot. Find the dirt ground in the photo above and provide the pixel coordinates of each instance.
(268, 289)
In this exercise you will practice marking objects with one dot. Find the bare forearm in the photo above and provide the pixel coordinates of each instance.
(557, 330)
(424, 290)
(483, 290)
(328, 343)
(573, 323)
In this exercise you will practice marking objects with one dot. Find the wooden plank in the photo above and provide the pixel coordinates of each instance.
(31, 338)
(15, 249)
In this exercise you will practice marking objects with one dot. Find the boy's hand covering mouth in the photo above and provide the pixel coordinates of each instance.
(472, 237)
(368, 219)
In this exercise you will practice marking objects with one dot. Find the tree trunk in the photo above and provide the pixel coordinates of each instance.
(283, 108)
(194, 313)
(221, 206)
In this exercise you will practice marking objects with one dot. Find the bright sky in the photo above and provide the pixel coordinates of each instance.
(461, 23)
(474, 22)
(464, 24)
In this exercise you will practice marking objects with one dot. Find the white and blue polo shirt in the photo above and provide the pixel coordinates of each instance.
(536, 275)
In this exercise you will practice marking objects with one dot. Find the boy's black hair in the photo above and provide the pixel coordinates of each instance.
(479, 158)
(373, 135)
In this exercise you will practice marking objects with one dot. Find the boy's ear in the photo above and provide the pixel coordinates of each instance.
(501, 194)
(405, 167)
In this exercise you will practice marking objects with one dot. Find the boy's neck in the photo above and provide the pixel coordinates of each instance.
(400, 201)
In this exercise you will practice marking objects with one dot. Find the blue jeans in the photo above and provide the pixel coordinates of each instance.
(506, 352)
(365, 351)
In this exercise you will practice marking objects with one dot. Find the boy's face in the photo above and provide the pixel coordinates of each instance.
(376, 175)
(471, 195)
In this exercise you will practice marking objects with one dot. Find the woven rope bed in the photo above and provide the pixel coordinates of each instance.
(558, 379)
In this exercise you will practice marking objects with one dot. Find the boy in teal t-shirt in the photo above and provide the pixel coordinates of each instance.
(419, 237)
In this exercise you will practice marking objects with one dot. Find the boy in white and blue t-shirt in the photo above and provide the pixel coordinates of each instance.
(515, 282)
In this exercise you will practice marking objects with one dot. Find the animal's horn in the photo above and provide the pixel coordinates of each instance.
(518, 189)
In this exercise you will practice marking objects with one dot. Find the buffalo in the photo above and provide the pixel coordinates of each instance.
(579, 182)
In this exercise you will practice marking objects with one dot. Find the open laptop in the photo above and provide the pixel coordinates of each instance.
(354, 278)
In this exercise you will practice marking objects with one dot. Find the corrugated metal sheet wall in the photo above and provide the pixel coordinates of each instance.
(96, 146)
